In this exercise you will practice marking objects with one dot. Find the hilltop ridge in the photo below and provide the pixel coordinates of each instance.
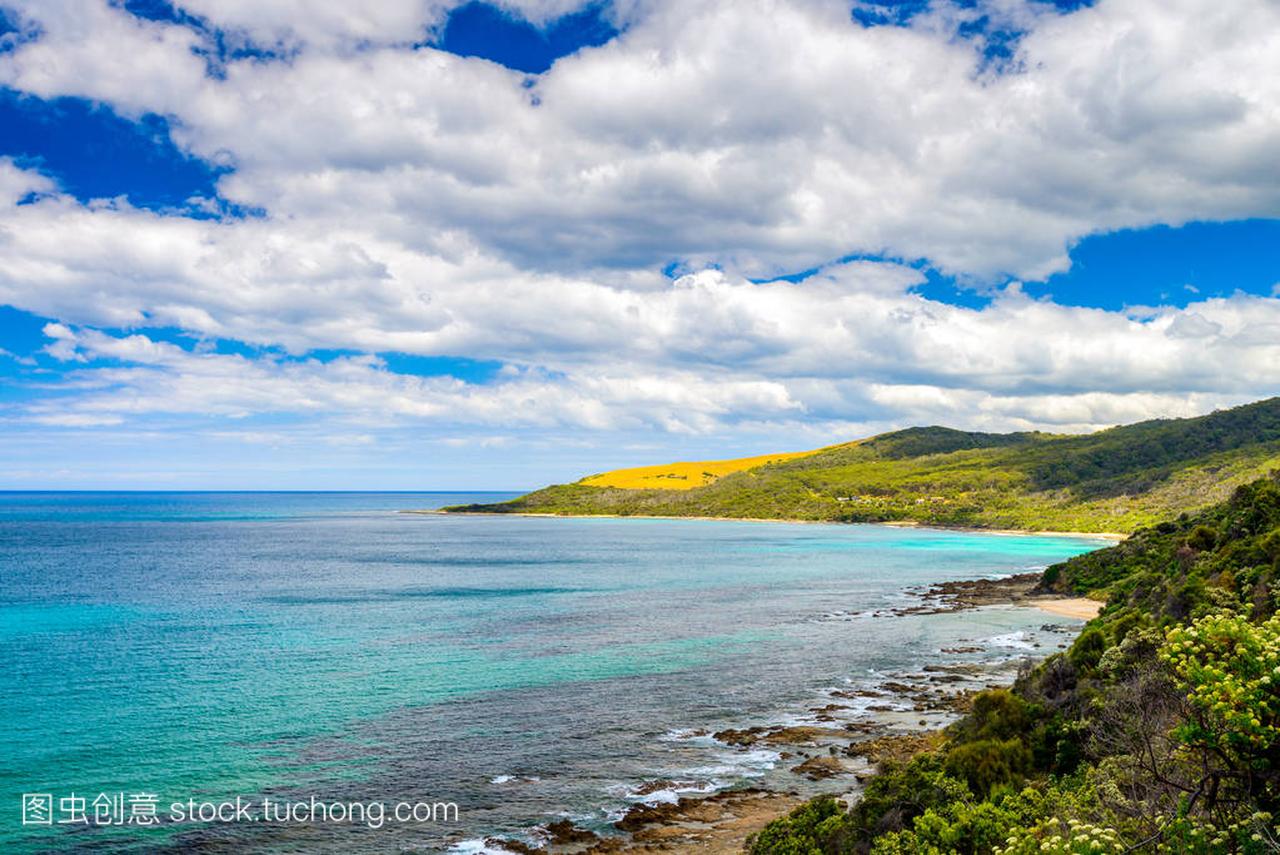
(1114, 480)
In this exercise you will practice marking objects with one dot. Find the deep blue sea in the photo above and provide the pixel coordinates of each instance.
(166, 647)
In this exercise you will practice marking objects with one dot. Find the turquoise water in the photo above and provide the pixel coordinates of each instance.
(213, 645)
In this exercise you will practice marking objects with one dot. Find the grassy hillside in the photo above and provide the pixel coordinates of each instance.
(1114, 480)
(1158, 731)
(684, 476)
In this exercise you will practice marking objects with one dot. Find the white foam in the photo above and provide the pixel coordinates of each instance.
(746, 764)
(672, 794)
(1012, 640)
(688, 735)
(478, 846)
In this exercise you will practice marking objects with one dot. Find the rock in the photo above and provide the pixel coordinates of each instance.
(829, 708)
(856, 693)
(819, 768)
(863, 726)
(954, 668)
(899, 748)
(744, 737)
(565, 832)
(648, 788)
(971, 593)
(798, 735)
(641, 815)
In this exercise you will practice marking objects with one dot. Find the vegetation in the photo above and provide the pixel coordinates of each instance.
(684, 476)
(1115, 480)
(1158, 731)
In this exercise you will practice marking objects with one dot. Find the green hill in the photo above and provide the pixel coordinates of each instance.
(1114, 480)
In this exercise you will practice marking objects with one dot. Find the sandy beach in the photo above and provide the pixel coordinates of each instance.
(1072, 607)
(1109, 536)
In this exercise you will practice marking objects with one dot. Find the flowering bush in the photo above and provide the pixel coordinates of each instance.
(1055, 837)
(1248, 835)
(1230, 670)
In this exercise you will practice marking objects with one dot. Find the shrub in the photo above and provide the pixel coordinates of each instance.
(1230, 669)
(1062, 838)
(989, 763)
(964, 827)
(900, 793)
(808, 830)
(995, 714)
(1088, 648)
(1202, 538)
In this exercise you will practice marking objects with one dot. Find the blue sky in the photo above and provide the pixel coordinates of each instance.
(493, 246)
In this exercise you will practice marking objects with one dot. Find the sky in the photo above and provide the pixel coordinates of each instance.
(300, 244)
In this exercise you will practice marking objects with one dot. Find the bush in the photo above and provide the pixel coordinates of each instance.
(900, 793)
(1054, 837)
(1230, 669)
(989, 763)
(1202, 538)
(996, 714)
(964, 827)
(1088, 648)
(811, 829)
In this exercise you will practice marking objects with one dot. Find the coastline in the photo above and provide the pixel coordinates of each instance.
(1107, 536)
(903, 713)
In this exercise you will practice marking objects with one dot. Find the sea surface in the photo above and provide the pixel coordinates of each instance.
(167, 647)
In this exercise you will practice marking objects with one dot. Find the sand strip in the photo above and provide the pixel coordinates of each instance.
(1072, 607)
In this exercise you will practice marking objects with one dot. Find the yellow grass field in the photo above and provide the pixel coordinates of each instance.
(683, 476)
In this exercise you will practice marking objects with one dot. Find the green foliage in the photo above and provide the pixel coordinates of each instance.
(1056, 837)
(996, 714)
(1189, 566)
(1088, 648)
(1252, 835)
(989, 763)
(1230, 669)
(921, 441)
(900, 793)
(964, 826)
(811, 829)
(1202, 538)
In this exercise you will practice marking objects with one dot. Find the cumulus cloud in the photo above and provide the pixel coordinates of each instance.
(422, 203)
(160, 377)
(763, 135)
(714, 354)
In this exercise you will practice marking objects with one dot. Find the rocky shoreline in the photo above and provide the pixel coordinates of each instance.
(858, 728)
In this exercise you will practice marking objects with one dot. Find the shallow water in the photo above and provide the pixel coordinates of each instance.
(212, 645)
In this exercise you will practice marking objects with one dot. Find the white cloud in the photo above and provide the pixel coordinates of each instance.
(764, 136)
(422, 203)
(714, 354)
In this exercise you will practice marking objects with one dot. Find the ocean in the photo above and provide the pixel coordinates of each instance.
(178, 649)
